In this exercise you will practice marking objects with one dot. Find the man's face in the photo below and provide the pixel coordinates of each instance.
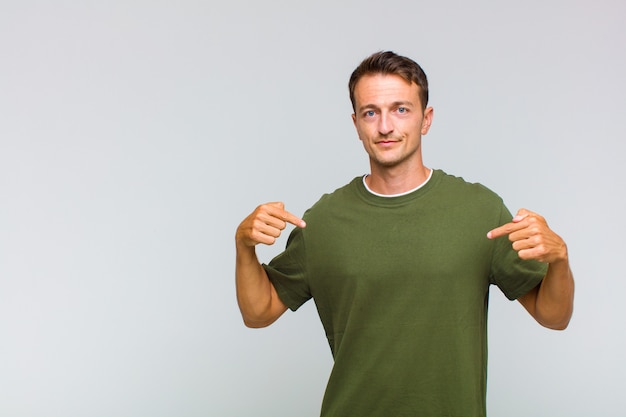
(389, 120)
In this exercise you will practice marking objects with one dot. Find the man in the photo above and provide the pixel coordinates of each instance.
(399, 263)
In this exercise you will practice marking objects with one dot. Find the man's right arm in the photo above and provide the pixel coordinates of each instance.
(258, 301)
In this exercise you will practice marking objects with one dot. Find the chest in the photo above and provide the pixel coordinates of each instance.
(403, 254)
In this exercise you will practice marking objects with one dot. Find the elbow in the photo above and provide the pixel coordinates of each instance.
(555, 322)
(256, 324)
(259, 315)
(556, 326)
(252, 325)
(554, 315)
(258, 319)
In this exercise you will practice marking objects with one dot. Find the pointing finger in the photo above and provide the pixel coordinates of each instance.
(513, 226)
(501, 231)
(508, 228)
(295, 220)
(286, 216)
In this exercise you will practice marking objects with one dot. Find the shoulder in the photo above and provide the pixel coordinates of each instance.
(338, 199)
(345, 192)
(471, 198)
(458, 186)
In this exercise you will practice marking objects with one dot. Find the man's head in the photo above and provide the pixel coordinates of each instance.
(389, 94)
(390, 63)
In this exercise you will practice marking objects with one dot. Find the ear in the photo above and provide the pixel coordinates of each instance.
(427, 120)
(354, 119)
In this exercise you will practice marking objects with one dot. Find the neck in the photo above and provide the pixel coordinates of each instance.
(390, 181)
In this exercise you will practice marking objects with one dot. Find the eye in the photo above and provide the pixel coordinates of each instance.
(370, 113)
(402, 110)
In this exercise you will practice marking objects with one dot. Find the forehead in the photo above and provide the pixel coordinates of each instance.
(378, 89)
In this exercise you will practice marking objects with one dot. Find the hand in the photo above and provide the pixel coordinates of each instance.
(265, 224)
(532, 238)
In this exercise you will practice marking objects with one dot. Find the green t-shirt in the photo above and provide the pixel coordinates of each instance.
(401, 286)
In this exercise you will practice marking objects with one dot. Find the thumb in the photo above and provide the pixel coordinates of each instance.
(521, 215)
(278, 204)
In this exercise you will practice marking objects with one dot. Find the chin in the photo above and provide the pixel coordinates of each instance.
(387, 163)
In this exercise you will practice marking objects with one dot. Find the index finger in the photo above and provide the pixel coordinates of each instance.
(293, 219)
(510, 227)
(504, 230)
(286, 216)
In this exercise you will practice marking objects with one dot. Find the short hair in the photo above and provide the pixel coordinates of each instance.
(390, 63)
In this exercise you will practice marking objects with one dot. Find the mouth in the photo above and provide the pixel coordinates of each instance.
(386, 142)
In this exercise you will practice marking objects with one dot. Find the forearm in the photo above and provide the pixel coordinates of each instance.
(555, 296)
(256, 296)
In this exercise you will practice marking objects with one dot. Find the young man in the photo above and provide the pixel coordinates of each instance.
(399, 263)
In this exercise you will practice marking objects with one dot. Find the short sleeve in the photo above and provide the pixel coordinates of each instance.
(513, 275)
(288, 273)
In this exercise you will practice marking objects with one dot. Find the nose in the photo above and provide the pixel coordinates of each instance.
(385, 125)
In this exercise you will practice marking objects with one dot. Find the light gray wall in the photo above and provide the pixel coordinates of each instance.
(136, 135)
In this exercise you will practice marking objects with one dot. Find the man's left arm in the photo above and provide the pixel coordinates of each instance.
(552, 301)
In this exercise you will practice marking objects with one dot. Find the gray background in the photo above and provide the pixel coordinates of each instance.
(136, 135)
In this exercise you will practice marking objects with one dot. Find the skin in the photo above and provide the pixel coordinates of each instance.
(551, 303)
(390, 121)
(258, 302)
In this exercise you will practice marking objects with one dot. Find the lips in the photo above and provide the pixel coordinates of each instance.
(387, 139)
(386, 142)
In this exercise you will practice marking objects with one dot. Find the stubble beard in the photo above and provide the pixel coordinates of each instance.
(394, 161)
